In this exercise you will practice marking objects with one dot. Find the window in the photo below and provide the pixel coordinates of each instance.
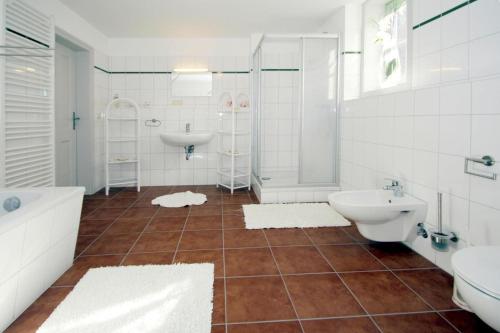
(385, 60)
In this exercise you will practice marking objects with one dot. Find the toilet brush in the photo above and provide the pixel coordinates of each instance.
(440, 238)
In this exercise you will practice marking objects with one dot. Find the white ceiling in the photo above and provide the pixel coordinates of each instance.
(202, 18)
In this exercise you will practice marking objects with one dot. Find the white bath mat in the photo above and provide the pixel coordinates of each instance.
(146, 299)
(180, 199)
(304, 215)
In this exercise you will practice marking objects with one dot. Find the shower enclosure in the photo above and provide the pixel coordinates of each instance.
(295, 112)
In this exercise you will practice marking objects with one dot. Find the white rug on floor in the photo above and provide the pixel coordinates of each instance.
(146, 299)
(301, 215)
(180, 199)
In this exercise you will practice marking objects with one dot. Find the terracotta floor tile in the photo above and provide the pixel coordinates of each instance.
(105, 213)
(218, 314)
(221, 328)
(157, 258)
(233, 209)
(467, 322)
(93, 227)
(414, 323)
(233, 222)
(39, 311)
(382, 292)
(300, 259)
(280, 327)
(157, 242)
(354, 233)
(321, 295)
(166, 223)
(143, 203)
(237, 199)
(328, 236)
(204, 222)
(182, 211)
(92, 203)
(118, 202)
(201, 240)
(82, 243)
(343, 325)
(134, 213)
(345, 258)
(205, 210)
(126, 226)
(246, 262)
(83, 264)
(398, 256)
(203, 256)
(295, 236)
(257, 299)
(434, 285)
(112, 244)
(239, 238)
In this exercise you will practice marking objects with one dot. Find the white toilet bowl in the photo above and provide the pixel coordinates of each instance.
(477, 282)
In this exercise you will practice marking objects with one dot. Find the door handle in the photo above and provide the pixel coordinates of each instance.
(75, 120)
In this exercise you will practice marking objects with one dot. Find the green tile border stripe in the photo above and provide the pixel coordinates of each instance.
(280, 69)
(449, 11)
(165, 72)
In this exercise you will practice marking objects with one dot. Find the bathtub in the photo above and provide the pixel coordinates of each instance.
(37, 244)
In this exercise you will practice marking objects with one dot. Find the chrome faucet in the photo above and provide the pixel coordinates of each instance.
(188, 128)
(395, 187)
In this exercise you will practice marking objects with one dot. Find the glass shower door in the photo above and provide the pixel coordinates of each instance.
(318, 138)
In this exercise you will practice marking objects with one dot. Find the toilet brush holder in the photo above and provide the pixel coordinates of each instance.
(441, 238)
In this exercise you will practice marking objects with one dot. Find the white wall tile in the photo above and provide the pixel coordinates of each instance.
(426, 133)
(485, 97)
(484, 18)
(454, 135)
(455, 99)
(484, 226)
(455, 63)
(484, 58)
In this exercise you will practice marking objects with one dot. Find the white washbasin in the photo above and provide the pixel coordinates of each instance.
(183, 138)
(378, 214)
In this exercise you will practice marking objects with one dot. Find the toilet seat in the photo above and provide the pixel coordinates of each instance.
(480, 267)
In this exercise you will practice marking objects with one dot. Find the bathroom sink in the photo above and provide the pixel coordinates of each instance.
(183, 138)
(379, 214)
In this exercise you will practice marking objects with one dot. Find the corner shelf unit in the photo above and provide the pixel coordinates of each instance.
(126, 120)
(233, 166)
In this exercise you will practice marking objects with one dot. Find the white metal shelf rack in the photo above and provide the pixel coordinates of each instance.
(233, 166)
(116, 116)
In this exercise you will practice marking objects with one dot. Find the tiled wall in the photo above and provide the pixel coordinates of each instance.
(162, 164)
(422, 135)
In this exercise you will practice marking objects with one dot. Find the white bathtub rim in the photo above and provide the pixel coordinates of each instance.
(50, 197)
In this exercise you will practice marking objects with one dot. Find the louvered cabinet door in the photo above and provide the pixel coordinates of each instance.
(27, 118)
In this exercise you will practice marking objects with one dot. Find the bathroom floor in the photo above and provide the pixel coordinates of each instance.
(289, 280)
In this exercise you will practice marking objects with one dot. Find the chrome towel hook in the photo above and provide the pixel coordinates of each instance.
(152, 123)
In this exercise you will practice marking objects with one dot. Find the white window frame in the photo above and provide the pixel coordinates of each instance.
(409, 70)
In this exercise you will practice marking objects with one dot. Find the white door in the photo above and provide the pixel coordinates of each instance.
(65, 116)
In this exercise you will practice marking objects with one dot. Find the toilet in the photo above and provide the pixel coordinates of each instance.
(477, 282)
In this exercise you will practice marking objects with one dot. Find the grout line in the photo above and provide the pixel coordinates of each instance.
(139, 237)
(409, 287)
(107, 228)
(342, 280)
(182, 233)
(284, 283)
(224, 268)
